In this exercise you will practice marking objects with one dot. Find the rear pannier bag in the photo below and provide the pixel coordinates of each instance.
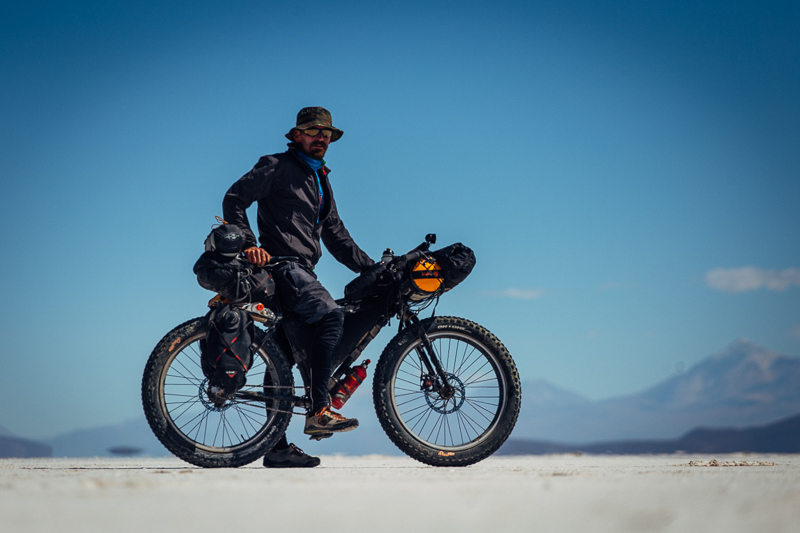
(456, 262)
(226, 352)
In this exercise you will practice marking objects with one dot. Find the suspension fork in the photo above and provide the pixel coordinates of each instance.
(428, 355)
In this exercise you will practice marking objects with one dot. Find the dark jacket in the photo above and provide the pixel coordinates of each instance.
(286, 190)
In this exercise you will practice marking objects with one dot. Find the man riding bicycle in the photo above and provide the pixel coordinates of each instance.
(296, 210)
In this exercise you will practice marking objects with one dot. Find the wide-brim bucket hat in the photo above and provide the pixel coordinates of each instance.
(315, 117)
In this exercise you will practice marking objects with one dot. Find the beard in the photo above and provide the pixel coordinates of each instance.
(317, 150)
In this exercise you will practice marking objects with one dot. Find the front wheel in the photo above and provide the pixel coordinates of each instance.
(454, 425)
(194, 427)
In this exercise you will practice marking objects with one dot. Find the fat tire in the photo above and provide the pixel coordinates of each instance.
(410, 443)
(179, 444)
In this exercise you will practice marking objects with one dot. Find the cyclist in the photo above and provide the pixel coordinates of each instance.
(297, 210)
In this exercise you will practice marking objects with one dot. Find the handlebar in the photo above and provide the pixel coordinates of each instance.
(275, 259)
(401, 261)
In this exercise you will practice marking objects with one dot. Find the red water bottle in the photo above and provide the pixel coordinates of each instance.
(345, 387)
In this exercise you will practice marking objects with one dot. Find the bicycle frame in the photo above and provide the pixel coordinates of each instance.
(362, 324)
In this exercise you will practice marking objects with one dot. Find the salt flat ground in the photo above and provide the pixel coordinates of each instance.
(379, 493)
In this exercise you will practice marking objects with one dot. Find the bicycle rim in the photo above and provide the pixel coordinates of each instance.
(471, 414)
(182, 397)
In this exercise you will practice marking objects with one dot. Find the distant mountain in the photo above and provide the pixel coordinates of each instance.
(779, 437)
(744, 385)
(539, 393)
(100, 441)
(135, 436)
(16, 447)
(11, 446)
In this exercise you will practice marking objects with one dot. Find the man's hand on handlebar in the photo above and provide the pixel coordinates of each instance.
(257, 256)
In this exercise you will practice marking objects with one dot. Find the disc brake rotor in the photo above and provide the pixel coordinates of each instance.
(450, 404)
(206, 401)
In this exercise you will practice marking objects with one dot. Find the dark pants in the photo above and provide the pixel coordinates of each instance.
(301, 293)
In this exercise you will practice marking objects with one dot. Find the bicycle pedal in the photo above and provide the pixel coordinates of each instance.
(320, 436)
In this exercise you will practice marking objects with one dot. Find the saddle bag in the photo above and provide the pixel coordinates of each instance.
(225, 353)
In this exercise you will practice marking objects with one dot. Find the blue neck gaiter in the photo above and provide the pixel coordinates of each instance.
(315, 165)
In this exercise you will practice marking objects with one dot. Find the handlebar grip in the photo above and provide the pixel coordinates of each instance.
(401, 261)
(275, 259)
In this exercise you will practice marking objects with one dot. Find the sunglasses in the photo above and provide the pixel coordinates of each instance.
(313, 132)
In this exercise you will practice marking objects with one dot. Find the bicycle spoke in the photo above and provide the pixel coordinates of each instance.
(480, 410)
(406, 381)
(470, 380)
(194, 414)
(415, 392)
(203, 416)
(467, 425)
(414, 409)
(189, 371)
(468, 412)
(450, 431)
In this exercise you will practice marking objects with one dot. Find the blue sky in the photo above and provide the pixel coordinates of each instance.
(628, 174)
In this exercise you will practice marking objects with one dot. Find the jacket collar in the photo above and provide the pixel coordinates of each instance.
(299, 159)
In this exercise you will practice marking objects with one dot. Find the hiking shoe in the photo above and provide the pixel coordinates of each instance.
(291, 457)
(327, 421)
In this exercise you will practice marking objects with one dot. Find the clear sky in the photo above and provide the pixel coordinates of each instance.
(627, 172)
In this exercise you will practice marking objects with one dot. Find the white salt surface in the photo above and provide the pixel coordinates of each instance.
(377, 493)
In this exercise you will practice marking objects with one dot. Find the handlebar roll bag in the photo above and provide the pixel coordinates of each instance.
(426, 276)
(456, 262)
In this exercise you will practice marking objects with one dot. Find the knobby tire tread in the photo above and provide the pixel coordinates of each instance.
(168, 436)
(430, 454)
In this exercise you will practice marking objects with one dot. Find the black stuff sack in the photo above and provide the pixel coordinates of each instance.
(226, 353)
(222, 268)
(234, 279)
(369, 283)
(226, 239)
(456, 262)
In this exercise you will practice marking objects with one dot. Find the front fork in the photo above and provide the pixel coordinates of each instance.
(428, 357)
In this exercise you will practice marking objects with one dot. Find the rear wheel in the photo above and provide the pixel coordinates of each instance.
(189, 423)
(457, 424)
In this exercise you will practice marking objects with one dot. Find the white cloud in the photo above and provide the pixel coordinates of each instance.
(519, 294)
(751, 279)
